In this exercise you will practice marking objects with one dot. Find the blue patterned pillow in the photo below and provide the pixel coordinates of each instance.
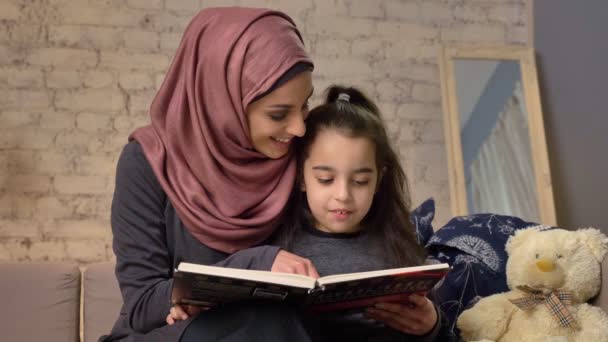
(480, 236)
(422, 218)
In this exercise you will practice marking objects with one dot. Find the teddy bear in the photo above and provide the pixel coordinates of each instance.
(551, 274)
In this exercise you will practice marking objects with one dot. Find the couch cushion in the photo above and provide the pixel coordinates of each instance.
(422, 219)
(41, 302)
(101, 300)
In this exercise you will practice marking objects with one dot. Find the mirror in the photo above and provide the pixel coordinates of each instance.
(495, 137)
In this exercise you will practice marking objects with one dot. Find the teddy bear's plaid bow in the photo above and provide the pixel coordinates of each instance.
(555, 301)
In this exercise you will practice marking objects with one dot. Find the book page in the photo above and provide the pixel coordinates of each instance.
(289, 279)
(363, 275)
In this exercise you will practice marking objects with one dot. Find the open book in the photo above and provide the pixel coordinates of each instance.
(210, 286)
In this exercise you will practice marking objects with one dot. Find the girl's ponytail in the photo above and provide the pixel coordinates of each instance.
(355, 97)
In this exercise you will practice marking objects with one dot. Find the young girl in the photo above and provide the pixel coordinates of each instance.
(351, 212)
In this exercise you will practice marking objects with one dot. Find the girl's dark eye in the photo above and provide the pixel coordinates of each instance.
(361, 182)
(324, 180)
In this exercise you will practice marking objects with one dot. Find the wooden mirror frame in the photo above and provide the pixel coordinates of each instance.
(529, 80)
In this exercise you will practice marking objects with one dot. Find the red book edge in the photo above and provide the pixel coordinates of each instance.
(365, 302)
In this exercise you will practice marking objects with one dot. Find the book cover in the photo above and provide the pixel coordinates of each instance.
(212, 286)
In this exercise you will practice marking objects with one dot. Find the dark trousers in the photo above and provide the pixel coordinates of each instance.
(255, 322)
(268, 322)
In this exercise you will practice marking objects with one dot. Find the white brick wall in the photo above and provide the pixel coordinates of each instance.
(76, 77)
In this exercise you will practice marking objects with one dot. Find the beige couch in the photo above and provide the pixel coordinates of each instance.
(59, 302)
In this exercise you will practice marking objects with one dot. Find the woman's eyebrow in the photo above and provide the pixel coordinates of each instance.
(288, 106)
(280, 106)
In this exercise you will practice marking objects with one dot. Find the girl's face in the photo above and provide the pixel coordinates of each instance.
(340, 177)
(275, 119)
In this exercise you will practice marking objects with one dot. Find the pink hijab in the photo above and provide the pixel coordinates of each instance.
(228, 195)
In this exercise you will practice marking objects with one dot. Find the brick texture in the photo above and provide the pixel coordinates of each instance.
(76, 77)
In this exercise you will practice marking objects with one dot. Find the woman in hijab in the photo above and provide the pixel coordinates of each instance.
(207, 181)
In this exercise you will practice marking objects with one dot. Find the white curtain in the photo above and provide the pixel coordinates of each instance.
(502, 175)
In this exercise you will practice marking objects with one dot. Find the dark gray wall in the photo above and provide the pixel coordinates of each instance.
(571, 42)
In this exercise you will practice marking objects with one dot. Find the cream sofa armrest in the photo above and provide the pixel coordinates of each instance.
(41, 301)
(101, 300)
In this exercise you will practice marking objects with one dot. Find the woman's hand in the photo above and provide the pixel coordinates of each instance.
(181, 313)
(290, 263)
(415, 318)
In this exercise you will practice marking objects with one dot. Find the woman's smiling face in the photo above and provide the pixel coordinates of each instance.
(275, 119)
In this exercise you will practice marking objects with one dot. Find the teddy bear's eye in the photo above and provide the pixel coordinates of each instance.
(537, 255)
(559, 256)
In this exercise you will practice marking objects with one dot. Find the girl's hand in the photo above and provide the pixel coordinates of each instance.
(181, 313)
(415, 318)
(290, 263)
